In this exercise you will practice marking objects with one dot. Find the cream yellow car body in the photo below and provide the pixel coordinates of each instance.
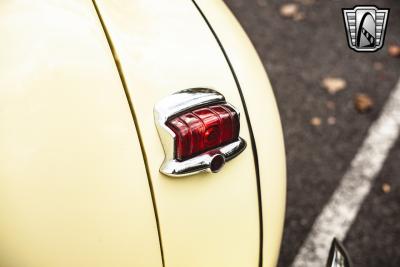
(80, 154)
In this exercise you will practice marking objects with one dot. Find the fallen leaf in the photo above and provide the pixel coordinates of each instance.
(331, 120)
(315, 121)
(386, 188)
(394, 50)
(363, 103)
(289, 10)
(334, 85)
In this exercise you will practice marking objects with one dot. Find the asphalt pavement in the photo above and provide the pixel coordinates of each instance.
(324, 131)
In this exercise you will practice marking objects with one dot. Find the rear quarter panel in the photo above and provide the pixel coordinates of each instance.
(163, 47)
(206, 219)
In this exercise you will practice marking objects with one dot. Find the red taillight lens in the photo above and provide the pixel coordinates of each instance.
(203, 129)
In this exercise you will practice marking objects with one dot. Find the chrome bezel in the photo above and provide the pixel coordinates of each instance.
(181, 102)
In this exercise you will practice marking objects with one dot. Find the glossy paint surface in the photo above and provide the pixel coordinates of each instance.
(73, 183)
(164, 47)
(73, 186)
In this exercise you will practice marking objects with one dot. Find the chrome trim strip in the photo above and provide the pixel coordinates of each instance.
(338, 256)
(181, 102)
(203, 161)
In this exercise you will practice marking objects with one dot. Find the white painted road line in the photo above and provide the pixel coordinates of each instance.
(340, 211)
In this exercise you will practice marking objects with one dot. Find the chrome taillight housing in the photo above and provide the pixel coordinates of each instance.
(199, 131)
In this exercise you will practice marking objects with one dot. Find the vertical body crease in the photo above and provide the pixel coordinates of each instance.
(134, 117)
(252, 139)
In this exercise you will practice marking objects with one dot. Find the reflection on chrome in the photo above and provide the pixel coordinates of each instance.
(182, 101)
(338, 256)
